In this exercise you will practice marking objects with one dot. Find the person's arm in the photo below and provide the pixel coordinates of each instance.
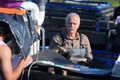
(56, 44)
(17, 71)
(8, 72)
(78, 59)
(6, 66)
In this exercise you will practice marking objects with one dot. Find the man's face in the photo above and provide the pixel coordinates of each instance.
(72, 24)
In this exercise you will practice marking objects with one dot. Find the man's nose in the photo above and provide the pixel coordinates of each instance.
(72, 25)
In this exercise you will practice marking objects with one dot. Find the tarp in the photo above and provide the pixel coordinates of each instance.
(51, 58)
(24, 33)
(10, 3)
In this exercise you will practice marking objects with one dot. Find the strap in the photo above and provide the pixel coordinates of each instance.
(81, 41)
(62, 37)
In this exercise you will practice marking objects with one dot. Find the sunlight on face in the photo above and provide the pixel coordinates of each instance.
(72, 23)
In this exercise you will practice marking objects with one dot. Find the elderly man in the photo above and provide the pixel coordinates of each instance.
(7, 72)
(74, 46)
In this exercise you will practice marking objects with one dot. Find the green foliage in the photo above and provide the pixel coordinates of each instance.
(112, 2)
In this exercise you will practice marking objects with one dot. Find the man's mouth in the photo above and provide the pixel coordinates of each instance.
(71, 28)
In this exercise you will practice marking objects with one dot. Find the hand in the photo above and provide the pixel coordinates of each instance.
(68, 53)
(78, 59)
(65, 50)
(28, 60)
(62, 49)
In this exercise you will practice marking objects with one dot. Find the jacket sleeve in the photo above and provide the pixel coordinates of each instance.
(55, 43)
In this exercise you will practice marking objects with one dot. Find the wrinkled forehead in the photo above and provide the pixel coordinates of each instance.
(74, 18)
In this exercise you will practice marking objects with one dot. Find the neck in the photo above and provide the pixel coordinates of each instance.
(71, 36)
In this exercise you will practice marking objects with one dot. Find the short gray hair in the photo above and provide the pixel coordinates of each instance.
(72, 14)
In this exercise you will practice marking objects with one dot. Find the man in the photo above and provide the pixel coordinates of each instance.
(70, 41)
(7, 72)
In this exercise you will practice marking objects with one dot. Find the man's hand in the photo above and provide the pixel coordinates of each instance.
(78, 59)
(66, 52)
(70, 51)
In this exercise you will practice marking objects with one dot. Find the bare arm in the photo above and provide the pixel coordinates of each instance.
(6, 66)
(17, 71)
(8, 72)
